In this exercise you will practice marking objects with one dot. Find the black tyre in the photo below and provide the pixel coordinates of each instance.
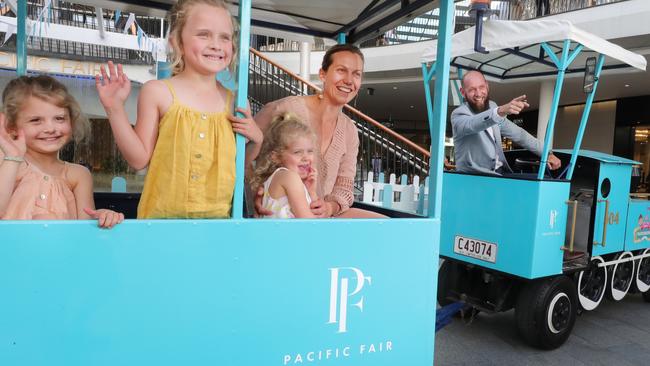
(546, 311)
(592, 284)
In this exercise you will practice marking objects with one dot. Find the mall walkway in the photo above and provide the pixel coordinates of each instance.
(614, 334)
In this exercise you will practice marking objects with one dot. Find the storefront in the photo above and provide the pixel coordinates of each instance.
(99, 152)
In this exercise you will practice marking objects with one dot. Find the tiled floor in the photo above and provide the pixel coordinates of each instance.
(615, 334)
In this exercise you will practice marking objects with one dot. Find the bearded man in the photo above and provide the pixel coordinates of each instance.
(478, 125)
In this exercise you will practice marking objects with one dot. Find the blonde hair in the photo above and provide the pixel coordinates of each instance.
(284, 130)
(48, 89)
(178, 18)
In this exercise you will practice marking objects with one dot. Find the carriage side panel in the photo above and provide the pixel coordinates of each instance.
(219, 292)
(637, 232)
(613, 193)
(522, 220)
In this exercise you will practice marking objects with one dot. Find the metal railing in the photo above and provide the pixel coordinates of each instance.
(530, 9)
(378, 145)
(81, 16)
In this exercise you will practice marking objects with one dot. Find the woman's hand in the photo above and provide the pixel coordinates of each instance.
(11, 146)
(323, 209)
(246, 126)
(114, 90)
(105, 218)
(259, 210)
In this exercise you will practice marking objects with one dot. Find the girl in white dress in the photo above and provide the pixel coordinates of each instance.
(285, 169)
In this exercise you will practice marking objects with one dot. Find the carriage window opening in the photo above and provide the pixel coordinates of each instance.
(605, 187)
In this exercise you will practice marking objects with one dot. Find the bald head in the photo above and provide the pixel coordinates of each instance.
(475, 90)
(473, 76)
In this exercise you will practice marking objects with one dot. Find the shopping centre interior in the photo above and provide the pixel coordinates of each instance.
(392, 93)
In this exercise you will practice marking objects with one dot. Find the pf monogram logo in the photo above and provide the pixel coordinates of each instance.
(552, 219)
(340, 294)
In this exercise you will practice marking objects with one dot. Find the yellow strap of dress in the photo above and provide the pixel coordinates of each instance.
(174, 99)
(171, 89)
(229, 102)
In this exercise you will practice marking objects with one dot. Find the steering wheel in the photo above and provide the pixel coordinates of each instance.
(531, 165)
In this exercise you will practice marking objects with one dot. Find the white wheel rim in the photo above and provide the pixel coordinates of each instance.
(642, 286)
(551, 307)
(617, 294)
(587, 303)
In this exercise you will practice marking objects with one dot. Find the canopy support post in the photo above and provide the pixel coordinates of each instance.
(585, 116)
(427, 75)
(559, 81)
(458, 86)
(438, 119)
(241, 101)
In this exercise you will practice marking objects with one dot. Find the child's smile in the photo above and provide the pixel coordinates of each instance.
(299, 156)
(207, 40)
(46, 126)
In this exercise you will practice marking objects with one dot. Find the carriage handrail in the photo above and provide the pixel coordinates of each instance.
(353, 110)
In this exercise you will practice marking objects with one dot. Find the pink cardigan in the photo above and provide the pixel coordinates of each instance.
(338, 164)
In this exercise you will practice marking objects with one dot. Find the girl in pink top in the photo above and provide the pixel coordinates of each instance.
(39, 118)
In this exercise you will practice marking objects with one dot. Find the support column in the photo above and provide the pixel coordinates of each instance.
(546, 89)
(305, 58)
(305, 63)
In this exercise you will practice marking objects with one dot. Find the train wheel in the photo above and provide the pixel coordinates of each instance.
(592, 283)
(642, 274)
(622, 276)
(546, 311)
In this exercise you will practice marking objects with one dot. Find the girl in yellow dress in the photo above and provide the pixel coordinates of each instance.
(185, 128)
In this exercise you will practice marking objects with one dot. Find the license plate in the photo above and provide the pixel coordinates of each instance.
(475, 248)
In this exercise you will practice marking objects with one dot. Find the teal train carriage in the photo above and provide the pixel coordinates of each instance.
(548, 244)
(228, 292)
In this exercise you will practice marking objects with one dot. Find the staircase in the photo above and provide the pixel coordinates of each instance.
(390, 152)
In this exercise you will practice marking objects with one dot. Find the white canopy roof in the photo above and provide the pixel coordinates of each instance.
(515, 51)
